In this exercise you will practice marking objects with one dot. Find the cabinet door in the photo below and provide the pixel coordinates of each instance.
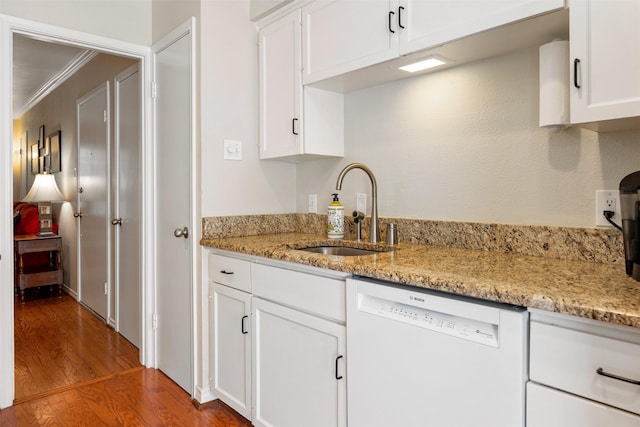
(547, 407)
(427, 23)
(280, 88)
(345, 35)
(298, 368)
(231, 382)
(605, 39)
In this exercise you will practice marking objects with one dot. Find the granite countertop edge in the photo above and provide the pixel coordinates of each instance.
(585, 289)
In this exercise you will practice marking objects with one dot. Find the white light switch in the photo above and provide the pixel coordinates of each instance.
(232, 149)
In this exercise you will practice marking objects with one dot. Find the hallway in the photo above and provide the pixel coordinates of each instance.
(72, 369)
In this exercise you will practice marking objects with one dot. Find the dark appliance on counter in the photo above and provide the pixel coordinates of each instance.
(630, 209)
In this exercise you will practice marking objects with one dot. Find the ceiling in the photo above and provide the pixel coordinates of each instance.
(39, 67)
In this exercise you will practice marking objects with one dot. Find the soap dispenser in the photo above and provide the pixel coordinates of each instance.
(335, 219)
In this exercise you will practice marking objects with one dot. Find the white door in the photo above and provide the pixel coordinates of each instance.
(424, 24)
(174, 133)
(298, 368)
(604, 44)
(281, 126)
(230, 312)
(93, 199)
(344, 35)
(127, 204)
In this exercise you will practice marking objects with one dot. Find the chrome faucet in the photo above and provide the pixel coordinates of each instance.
(374, 232)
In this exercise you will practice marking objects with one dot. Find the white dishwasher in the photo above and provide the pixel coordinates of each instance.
(417, 357)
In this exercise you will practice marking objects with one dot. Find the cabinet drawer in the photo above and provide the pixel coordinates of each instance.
(235, 273)
(308, 292)
(568, 360)
(547, 407)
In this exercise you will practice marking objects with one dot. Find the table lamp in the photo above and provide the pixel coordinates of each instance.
(44, 191)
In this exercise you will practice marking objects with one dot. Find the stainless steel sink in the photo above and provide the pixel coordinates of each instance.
(339, 250)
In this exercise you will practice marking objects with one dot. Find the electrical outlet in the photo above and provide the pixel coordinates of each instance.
(313, 203)
(607, 200)
(361, 202)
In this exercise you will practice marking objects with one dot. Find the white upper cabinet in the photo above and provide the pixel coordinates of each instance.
(296, 123)
(340, 36)
(280, 87)
(426, 23)
(344, 35)
(605, 62)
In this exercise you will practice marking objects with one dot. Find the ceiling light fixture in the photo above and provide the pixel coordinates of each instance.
(423, 65)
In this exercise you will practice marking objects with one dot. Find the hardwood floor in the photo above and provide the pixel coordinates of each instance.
(73, 370)
(138, 397)
(58, 343)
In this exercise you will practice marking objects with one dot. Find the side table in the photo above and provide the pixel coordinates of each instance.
(29, 276)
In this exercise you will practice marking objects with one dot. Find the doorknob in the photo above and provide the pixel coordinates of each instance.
(181, 232)
(77, 215)
(116, 221)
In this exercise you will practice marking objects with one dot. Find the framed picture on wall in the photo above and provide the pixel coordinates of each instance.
(42, 164)
(54, 151)
(41, 137)
(34, 152)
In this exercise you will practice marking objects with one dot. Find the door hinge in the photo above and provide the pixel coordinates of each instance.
(154, 90)
(154, 321)
(106, 288)
(104, 116)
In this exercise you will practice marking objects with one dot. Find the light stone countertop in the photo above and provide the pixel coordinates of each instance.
(592, 290)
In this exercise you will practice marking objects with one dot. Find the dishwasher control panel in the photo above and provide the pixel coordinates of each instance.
(460, 327)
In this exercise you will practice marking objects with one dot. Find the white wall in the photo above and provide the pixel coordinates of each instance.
(167, 15)
(121, 20)
(464, 145)
(229, 108)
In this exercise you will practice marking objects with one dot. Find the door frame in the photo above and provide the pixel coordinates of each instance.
(9, 26)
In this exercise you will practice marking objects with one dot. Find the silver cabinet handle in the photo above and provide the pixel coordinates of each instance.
(116, 221)
(184, 232)
(77, 215)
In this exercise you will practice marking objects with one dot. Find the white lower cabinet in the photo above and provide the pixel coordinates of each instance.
(299, 348)
(582, 373)
(278, 351)
(548, 407)
(298, 368)
(232, 347)
(230, 314)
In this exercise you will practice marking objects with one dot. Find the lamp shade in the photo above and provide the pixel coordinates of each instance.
(44, 189)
